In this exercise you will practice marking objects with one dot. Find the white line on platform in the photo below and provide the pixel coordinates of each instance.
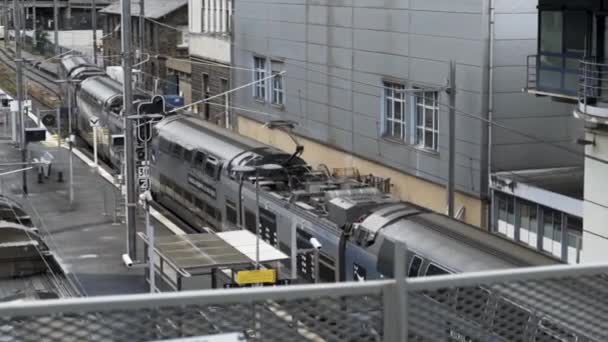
(110, 179)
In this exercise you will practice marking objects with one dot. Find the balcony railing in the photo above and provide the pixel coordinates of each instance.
(593, 90)
(551, 75)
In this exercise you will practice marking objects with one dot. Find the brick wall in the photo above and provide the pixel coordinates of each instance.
(160, 42)
(215, 111)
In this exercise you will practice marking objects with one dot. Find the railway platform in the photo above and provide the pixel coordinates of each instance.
(86, 237)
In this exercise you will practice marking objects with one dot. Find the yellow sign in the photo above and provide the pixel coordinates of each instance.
(256, 277)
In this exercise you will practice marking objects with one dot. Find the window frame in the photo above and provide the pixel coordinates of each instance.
(277, 92)
(388, 119)
(260, 72)
(419, 124)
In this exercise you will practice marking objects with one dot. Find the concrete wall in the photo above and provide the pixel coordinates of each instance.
(595, 236)
(516, 38)
(337, 56)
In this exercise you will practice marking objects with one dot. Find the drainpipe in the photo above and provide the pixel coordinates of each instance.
(491, 33)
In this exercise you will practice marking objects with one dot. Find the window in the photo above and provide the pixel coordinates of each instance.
(560, 47)
(216, 16)
(414, 267)
(575, 239)
(552, 235)
(259, 75)
(231, 215)
(278, 92)
(394, 111)
(204, 108)
(177, 150)
(210, 167)
(505, 215)
(268, 226)
(199, 158)
(426, 112)
(528, 223)
(435, 270)
(224, 88)
(187, 155)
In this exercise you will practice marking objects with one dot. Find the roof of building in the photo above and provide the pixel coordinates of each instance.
(567, 181)
(153, 9)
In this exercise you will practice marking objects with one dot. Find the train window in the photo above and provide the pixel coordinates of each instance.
(164, 145)
(434, 270)
(210, 211)
(187, 155)
(177, 150)
(200, 205)
(250, 221)
(231, 215)
(510, 320)
(210, 167)
(199, 158)
(414, 267)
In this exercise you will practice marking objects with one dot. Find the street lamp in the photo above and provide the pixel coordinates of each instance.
(242, 169)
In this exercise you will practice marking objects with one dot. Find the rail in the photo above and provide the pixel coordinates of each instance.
(562, 303)
(531, 72)
(593, 87)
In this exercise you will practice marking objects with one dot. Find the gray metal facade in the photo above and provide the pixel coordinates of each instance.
(338, 53)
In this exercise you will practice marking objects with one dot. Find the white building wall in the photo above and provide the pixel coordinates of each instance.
(595, 235)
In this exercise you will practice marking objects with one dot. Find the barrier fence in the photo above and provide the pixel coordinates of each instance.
(563, 303)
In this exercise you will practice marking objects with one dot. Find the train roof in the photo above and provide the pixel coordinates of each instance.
(222, 142)
(459, 246)
(104, 88)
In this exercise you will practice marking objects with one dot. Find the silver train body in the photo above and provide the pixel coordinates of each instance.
(96, 97)
(193, 174)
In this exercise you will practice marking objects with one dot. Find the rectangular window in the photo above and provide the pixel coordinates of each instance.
(575, 239)
(427, 119)
(205, 94)
(505, 215)
(278, 92)
(210, 167)
(394, 119)
(414, 267)
(552, 235)
(187, 155)
(226, 98)
(259, 75)
(268, 226)
(528, 223)
(199, 158)
(231, 214)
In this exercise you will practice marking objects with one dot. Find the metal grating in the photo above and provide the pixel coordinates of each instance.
(547, 304)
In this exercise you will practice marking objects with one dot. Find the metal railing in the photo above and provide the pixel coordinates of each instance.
(563, 303)
(531, 72)
(593, 87)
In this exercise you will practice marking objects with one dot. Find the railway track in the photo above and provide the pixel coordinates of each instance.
(34, 75)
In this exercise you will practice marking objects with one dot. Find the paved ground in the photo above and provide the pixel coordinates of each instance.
(84, 236)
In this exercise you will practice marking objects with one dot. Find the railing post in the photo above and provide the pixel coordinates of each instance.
(395, 299)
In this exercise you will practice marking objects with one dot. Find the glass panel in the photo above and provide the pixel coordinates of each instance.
(419, 135)
(397, 110)
(551, 31)
(428, 139)
(551, 62)
(575, 32)
(414, 267)
(549, 79)
(435, 270)
(419, 115)
(397, 131)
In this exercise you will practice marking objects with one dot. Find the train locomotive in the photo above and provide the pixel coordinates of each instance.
(197, 172)
(98, 98)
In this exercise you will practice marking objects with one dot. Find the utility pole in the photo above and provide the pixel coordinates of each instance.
(34, 22)
(6, 38)
(56, 25)
(142, 41)
(94, 24)
(452, 137)
(19, 71)
(127, 62)
(142, 28)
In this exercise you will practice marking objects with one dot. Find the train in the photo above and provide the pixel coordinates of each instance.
(98, 98)
(213, 178)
